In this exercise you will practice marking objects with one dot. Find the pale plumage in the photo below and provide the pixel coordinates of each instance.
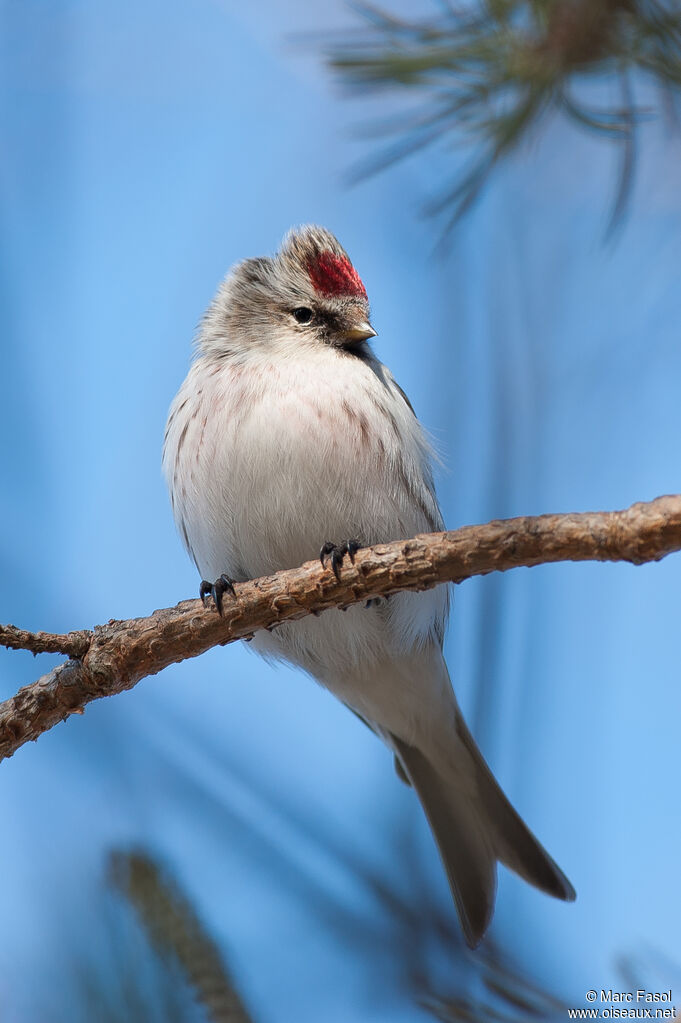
(288, 433)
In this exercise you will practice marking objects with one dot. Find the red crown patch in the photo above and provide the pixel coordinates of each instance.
(335, 275)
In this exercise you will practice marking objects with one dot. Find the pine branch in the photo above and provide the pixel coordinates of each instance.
(73, 644)
(175, 929)
(114, 657)
(487, 73)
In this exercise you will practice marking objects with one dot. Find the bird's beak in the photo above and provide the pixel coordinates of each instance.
(359, 331)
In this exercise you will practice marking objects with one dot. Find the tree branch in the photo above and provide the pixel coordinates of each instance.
(73, 644)
(114, 657)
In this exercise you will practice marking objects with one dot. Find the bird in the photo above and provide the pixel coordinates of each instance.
(289, 440)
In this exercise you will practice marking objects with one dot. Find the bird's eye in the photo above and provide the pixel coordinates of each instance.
(302, 314)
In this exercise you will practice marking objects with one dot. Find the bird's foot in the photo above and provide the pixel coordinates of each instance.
(335, 553)
(216, 590)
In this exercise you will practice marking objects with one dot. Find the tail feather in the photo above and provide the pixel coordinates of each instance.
(515, 844)
(474, 831)
(468, 857)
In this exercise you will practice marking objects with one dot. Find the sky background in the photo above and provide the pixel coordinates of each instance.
(144, 147)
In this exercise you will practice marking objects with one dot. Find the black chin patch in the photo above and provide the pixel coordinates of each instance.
(357, 349)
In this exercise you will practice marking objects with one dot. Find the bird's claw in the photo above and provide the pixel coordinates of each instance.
(336, 552)
(216, 590)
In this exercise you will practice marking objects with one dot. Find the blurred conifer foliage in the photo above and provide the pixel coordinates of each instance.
(484, 987)
(175, 931)
(172, 970)
(488, 71)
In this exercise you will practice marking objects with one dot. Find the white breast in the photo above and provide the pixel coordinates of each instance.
(267, 460)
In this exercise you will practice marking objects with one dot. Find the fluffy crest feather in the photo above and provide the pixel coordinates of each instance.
(324, 260)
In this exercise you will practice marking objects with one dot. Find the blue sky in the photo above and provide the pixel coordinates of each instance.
(144, 148)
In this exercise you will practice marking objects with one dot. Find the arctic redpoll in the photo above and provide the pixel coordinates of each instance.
(289, 437)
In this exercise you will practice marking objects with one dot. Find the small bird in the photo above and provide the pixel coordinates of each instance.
(289, 438)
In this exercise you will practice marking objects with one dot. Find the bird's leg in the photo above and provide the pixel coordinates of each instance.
(336, 552)
(216, 590)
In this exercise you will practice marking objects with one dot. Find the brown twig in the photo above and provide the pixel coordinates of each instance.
(73, 644)
(119, 654)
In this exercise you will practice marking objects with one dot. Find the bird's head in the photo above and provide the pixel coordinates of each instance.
(308, 294)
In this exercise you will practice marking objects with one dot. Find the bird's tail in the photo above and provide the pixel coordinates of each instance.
(475, 826)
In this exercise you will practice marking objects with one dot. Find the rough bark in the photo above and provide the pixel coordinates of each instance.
(115, 656)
